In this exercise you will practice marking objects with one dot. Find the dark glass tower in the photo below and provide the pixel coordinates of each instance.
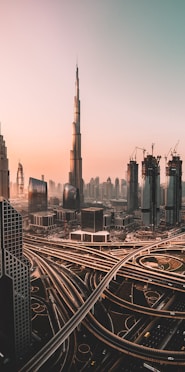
(132, 186)
(15, 311)
(150, 196)
(173, 191)
(4, 172)
(71, 199)
(92, 219)
(37, 195)
(75, 174)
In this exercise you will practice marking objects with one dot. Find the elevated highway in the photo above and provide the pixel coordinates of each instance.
(113, 266)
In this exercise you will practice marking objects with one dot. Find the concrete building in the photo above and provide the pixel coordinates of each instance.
(65, 215)
(15, 316)
(99, 236)
(132, 186)
(173, 191)
(75, 174)
(150, 193)
(43, 221)
(4, 171)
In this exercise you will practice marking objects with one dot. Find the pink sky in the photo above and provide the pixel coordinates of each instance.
(131, 58)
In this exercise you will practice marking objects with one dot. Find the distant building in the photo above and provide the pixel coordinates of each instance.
(150, 195)
(109, 189)
(37, 195)
(92, 189)
(173, 191)
(20, 180)
(4, 171)
(117, 189)
(123, 189)
(132, 186)
(15, 316)
(75, 174)
(71, 197)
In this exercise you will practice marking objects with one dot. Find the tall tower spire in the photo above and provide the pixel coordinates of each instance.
(75, 174)
(4, 171)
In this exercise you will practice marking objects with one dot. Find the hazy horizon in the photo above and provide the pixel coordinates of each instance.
(131, 58)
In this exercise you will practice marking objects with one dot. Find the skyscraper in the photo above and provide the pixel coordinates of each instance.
(75, 174)
(116, 188)
(15, 318)
(4, 172)
(132, 186)
(37, 195)
(150, 196)
(20, 180)
(173, 191)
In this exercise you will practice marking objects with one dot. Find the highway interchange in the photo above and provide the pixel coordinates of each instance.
(82, 282)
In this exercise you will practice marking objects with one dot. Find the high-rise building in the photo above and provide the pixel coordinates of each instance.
(4, 171)
(132, 186)
(15, 310)
(109, 189)
(20, 180)
(150, 194)
(37, 195)
(75, 174)
(71, 198)
(123, 188)
(173, 191)
(116, 188)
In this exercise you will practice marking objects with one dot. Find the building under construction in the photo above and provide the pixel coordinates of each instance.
(132, 186)
(173, 191)
(150, 194)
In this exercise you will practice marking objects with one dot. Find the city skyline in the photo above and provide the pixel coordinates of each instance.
(131, 58)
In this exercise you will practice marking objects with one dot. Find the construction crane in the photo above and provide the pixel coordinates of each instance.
(144, 150)
(166, 156)
(153, 144)
(134, 152)
(173, 152)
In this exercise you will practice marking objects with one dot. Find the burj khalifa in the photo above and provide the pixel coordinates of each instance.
(73, 191)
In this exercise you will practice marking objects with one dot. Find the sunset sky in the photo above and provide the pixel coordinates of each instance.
(131, 58)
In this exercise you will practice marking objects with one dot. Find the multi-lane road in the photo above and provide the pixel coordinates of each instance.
(167, 313)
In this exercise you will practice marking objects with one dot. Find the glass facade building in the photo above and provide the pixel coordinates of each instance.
(71, 197)
(37, 195)
(15, 312)
(132, 186)
(150, 193)
(173, 191)
(92, 219)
